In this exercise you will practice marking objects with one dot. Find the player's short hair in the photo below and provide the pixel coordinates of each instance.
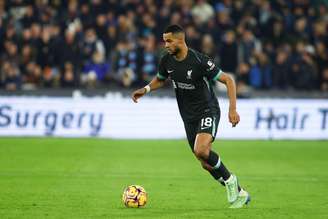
(174, 28)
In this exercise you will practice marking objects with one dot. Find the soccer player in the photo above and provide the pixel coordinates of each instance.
(191, 73)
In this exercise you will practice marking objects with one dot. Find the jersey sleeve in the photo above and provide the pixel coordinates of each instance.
(162, 74)
(209, 69)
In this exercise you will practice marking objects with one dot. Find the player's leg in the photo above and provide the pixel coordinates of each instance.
(191, 130)
(202, 150)
(206, 132)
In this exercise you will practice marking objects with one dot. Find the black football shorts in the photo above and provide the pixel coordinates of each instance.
(207, 124)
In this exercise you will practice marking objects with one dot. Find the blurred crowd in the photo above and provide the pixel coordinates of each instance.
(263, 44)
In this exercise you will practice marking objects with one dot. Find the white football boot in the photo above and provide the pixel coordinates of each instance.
(243, 199)
(231, 185)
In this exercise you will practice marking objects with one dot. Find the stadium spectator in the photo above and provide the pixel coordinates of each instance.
(95, 70)
(229, 53)
(125, 63)
(10, 52)
(237, 9)
(101, 26)
(35, 39)
(50, 77)
(68, 76)
(10, 76)
(277, 35)
(164, 12)
(148, 59)
(29, 17)
(321, 59)
(248, 45)
(68, 50)
(147, 25)
(260, 75)
(45, 49)
(324, 82)
(202, 12)
(126, 28)
(32, 77)
(193, 37)
(85, 15)
(107, 31)
(301, 29)
(243, 79)
(319, 32)
(208, 47)
(303, 71)
(91, 44)
(223, 19)
(280, 69)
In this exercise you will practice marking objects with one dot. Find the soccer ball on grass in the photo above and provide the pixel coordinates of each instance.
(134, 196)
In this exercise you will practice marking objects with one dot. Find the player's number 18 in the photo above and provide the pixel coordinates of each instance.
(207, 122)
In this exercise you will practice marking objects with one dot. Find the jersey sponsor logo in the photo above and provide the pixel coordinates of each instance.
(189, 74)
(170, 71)
(185, 86)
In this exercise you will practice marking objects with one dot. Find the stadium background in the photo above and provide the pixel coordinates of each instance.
(80, 44)
(67, 69)
(74, 49)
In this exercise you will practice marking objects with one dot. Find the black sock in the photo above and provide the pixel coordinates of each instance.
(212, 159)
(217, 176)
(222, 171)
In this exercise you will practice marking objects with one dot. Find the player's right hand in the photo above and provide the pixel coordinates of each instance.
(234, 117)
(137, 94)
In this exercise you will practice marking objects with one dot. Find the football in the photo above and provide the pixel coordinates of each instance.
(134, 196)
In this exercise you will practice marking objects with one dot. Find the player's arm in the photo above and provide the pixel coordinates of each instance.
(231, 90)
(153, 85)
(212, 72)
(157, 82)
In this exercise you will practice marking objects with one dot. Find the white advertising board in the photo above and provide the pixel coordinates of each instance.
(157, 118)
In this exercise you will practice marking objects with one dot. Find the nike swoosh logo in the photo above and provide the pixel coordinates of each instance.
(204, 128)
(170, 71)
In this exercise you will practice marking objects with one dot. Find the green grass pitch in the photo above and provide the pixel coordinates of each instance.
(84, 178)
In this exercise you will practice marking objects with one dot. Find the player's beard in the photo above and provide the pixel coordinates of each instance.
(176, 51)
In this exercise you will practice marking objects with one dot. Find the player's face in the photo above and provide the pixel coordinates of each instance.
(171, 43)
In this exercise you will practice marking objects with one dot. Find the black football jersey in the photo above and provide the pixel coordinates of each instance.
(191, 79)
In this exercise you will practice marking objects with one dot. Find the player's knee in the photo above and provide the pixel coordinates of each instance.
(201, 153)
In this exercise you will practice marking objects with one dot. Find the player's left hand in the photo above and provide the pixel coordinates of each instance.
(137, 94)
(233, 117)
